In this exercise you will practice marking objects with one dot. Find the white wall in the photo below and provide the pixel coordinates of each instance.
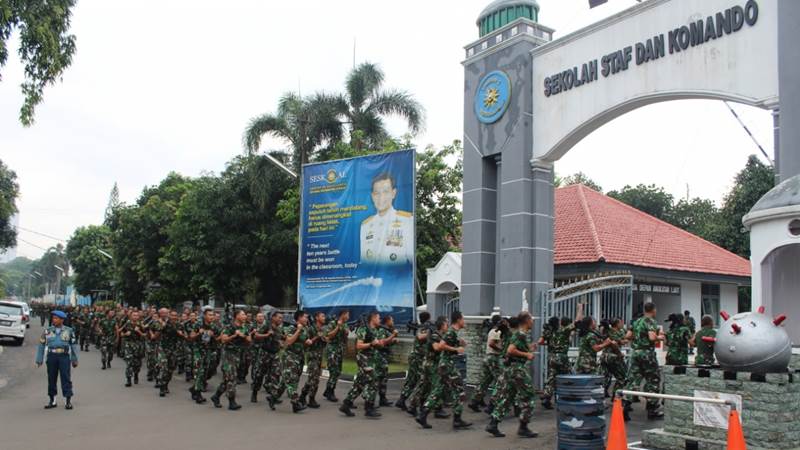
(728, 298)
(690, 299)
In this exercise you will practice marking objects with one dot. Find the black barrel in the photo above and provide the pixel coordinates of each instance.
(581, 413)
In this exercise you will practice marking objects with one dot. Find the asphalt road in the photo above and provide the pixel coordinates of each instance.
(107, 415)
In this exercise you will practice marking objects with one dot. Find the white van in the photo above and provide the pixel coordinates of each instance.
(11, 321)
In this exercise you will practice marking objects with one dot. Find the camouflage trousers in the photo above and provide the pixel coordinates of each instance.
(202, 359)
(290, 377)
(644, 368)
(448, 387)
(613, 366)
(150, 352)
(267, 372)
(557, 364)
(516, 389)
(132, 353)
(166, 361)
(107, 349)
(365, 382)
(423, 388)
(313, 373)
(244, 364)
(412, 376)
(335, 357)
(490, 370)
(83, 335)
(216, 358)
(586, 364)
(381, 373)
(229, 363)
(188, 359)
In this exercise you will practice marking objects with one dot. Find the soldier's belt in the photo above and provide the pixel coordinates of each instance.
(59, 350)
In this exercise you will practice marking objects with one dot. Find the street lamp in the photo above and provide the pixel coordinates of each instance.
(105, 253)
(58, 281)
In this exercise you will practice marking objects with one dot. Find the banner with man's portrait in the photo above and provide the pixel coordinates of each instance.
(357, 236)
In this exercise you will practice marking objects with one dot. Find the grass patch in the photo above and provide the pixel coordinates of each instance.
(350, 367)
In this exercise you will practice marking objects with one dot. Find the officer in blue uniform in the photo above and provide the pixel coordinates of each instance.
(60, 343)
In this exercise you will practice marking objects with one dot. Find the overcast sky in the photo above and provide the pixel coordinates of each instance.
(168, 85)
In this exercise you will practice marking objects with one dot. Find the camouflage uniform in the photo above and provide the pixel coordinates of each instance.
(643, 363)
(678, 345)
(293, 363)
(335, 352)
(313, 362)
(517, 383)
(246, 359)
(365, 381)
(188, 350)
(586, 363)
(448, 387)
(429, 370)
(203, 352)
(266, 363)
(382, 362)
(232, 353)
(612, 363)
(415, 361)
(132, 349)
(79, 322)
(705, 350)
(557, 343)
(490, 370)
(150, 352)
(167, 351)
(107, 340)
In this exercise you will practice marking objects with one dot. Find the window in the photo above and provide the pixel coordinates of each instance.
(794, 227)
(710, 303)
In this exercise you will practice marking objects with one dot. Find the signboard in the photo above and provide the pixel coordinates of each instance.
(656, 288)
(358, 237)
(715, 416)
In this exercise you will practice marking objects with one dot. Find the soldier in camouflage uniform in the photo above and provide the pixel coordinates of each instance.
(182, 335)
(133, 335)
(203, 334)
(336, 333)
(387, 333)
(448, 382)
(234, 340)
(643, 363)
(247, 356)
(314, 352)
(167, 349)
(150, 346)
(365, 383)
(80, 322)
(490, 369)
(261, 333)
(271, 360)
(189, 347)
(429, 372)
(591, 342)
(556, 336)
(705, 349)
(108, 338)
(517, 379)
(612, 361)
(415, 361)
(678, 338)
(296, 339)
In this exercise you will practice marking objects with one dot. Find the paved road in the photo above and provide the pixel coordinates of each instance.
(107, 415)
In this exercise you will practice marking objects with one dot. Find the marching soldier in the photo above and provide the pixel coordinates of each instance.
(491, 363)
(314, 352)
(678, 338)
(365, 381)
(612, 361)
(387, 333)
(643, 363)
(59, 341)
(235, 339)
(556, 336)
(203, 333)
(590, 343)
(705, 350)
(133, 336)
(296, 339)
(108, 338)
(336, 333)
(415, 361)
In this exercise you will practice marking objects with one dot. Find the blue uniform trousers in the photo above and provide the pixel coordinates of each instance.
(59, 364)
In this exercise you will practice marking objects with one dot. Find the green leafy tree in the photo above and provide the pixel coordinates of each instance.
(113, 201)
(15, 275)
(578, 178)
(650, 199)
(46, 47)
(93, 271)
(697, 216)
(9, 190)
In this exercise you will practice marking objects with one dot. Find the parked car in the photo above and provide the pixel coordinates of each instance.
(11, 321)
(26, 311)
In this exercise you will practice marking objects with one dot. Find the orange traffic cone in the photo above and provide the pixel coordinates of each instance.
(735, 433)
(617, 440)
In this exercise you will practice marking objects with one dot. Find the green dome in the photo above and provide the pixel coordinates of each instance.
(502, 12)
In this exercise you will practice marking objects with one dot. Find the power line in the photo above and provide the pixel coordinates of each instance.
(31, 244)
(40, 234)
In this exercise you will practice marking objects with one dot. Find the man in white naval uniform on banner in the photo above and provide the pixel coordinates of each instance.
(388, 236)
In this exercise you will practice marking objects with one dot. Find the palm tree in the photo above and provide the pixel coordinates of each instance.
(305, 123)
(365, 104)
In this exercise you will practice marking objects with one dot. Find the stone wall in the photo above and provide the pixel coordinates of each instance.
(475, 337)
(770, 412)
(795, 364)
(400, 351)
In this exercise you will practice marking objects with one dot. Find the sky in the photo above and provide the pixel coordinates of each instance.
(169, 85)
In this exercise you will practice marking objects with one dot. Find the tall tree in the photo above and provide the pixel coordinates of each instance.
(650, 199)
(9, 190)
(698, 216)
(93, 271)
(113, 201)
(46, 47)
(305, 124)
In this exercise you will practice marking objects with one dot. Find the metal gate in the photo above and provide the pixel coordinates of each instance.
(605, 296)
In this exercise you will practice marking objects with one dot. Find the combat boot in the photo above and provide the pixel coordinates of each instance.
(370, 411)
(271, 402)
(345, 408)
(626, 410)
(412, 411)
(517, 411)
(493, 430)
(51, 404)
(232, 405)
(441, 414)
(401, 403)
(524, 432)
(136, 378)
(332, 396)
(654, 413)
(197, 396)
(297, 407)
(104, 366)
(215, 401)
(127, 381)
(162, 391)
(460, 424)
(547, 404)
(384, 401)
(254, 397)
(302, 400)
(312, 403)
(475, 406)
(422, 418)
